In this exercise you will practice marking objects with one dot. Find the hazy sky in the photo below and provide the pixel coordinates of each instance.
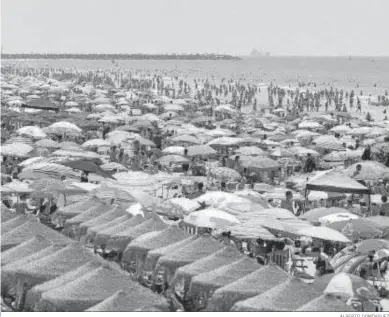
(283, 27)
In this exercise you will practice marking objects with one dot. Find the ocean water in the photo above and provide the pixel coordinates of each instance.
(342, 73)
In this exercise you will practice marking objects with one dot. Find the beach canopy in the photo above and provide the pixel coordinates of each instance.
(154, 255)
(184, 274)
(203, 285)
(112, 214)
(24, 249)
(92, 231)
(13, 223)
(75, 209)
(287, 296)
(89, 290)
(324, 233)
(89, 214)
(248, 286)
(337, 182)
(61, 262)
(28, 230)
(9, 278)
(104, 235)
(34, 294)
(132, 300)
(326, 303)
(119, 241)
(139, 247)
(198, 249)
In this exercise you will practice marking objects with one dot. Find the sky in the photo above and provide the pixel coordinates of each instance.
(282, 27)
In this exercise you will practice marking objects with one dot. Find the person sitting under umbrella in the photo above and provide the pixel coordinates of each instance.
(84, 177)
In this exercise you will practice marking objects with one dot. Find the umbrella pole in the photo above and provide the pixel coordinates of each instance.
(305, 199)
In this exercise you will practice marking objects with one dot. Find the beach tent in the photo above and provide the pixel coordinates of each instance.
(119, 241)
(29, 230)
(6, 214)
(92, 231)
(14, 223)
(337, 182)
(54, 265)
(88, 290)
(137, 250)
(326, 303)
(203, 285)
(154, 255)
(9, 278)
(72, 224)
(34, 294)
(102, 237)
(24, 249)
(132, 300)
(250, 285)
(287, 296)
(75, 209)
(198, 249)
(184, 274)
(112, 214)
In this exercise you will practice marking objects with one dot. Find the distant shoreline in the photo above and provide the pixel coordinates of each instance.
(115, 57)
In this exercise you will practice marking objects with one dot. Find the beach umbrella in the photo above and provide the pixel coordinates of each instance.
(369, 245)
(168, 159)
(316, 213)
(52, 170)
(351, 286)
(323, 233)
(341, 216)
(356, 228)
(328, 142)
(310, 125)
(250, 151)
(115, 193)
(211, 218)
(287, 296)
(178, 150)
(341, 129)
(186, 139)
(326, 303)
(360, 131)
(63, 127)
(87, 166)
(380, 222)
(371, 171)
(19, 140)
(200, 150)
(95, 143)
(224, 141)
(48, 143)
(304, 134)
(262, 163)
(281, 153)
(71, 104)
(220, 133)
(225, 173)
(32, 131)
(16, 187)
(16, 150)
(113, 166)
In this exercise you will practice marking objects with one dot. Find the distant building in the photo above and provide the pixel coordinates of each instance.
(256, 53)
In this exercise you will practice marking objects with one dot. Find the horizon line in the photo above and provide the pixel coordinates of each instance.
(196, 53)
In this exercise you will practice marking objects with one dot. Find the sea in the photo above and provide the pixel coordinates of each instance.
(341, 72)
(368, 76)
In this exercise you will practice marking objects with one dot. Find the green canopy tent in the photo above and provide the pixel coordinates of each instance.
(250, 285)
(204, 285)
